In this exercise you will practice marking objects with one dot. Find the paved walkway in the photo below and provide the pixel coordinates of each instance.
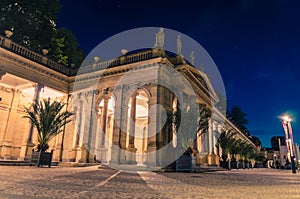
(91, 182)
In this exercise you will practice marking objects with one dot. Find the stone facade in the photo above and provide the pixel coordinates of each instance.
(117, 120)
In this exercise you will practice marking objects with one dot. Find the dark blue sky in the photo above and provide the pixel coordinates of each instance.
(254, 43)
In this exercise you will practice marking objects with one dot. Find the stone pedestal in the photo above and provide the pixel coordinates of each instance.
(123, 158)
(103, 155)
(166, 156)
(217, 160)
(131, 155)
(80, 154)
(6, 150)
(56, 153)
(25, 153)
(115, 154)
(210, 159)
(151, 156)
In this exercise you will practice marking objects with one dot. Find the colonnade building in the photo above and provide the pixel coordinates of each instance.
(117, 119)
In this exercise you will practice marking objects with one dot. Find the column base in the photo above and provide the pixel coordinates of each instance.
(151, 156)
(6, 150)
(217, 160)
(211, 159)
(131, 155)
(115, 154)
(103, 154)
(26, 150)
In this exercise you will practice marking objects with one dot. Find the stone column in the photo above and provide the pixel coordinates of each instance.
(151, 155)
(59, 144)
(210, 143)
(131, 148)
(214, 141)
(28, 145)
(103, 150)
(103, 119)
(12, 117)
(116, 141)
(132, 122)
(36, 98)
(123, 132)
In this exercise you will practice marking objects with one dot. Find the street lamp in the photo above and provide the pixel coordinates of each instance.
(287, 127)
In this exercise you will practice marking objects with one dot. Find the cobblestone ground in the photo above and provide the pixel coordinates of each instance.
(91, 182)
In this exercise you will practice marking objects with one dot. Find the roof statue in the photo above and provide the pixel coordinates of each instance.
(159, 39)
(179, 45)
(192, 58)
(201, 67)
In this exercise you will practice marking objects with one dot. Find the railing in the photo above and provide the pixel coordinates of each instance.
(36, 57)
(58, 67)
(139, 57)
(44, 60)
(126, 59)
(20, 50)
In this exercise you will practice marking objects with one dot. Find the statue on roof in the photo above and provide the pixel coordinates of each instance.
(192, 58)
(159, 39)
(179, 45)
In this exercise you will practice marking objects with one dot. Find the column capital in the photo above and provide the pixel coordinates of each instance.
(38, 87)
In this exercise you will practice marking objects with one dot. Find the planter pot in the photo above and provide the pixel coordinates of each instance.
(184, 163)
(40, 158)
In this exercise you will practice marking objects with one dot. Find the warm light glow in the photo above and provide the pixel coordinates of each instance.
(286, 118)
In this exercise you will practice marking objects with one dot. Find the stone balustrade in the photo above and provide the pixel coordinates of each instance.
(8, 44)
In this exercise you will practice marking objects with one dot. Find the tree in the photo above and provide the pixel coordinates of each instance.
(196, 120)
(247, 152)
(227, 143)
(48, 118)
(256, 140)
(33, 22)
(64, 48)
(239, 117)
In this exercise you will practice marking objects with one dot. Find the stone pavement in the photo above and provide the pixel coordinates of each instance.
(92, 182)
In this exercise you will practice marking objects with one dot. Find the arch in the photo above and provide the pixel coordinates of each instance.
(99, 99)
(138, 120)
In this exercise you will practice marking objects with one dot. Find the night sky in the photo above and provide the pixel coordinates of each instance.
(254, 43)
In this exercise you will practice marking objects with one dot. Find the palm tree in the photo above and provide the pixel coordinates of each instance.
(247, 152)
(48, 118)
(237, 148)
(196, 119)
(227, 143)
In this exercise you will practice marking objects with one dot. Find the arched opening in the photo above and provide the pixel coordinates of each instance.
(138, 109)
(105, 113)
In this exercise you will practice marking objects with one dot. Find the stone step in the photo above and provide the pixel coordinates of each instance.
(19, 163)
(76, 164)
(14, 163)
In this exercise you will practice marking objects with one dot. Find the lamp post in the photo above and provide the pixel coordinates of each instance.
(287, 127)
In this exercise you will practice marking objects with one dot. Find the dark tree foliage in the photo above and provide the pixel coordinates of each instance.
(32, 21)
(238, 116)
(256, 140)
(64, 48)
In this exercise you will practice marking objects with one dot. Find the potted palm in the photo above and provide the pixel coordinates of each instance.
(196, 120)
(227, 144)
(48, 118)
